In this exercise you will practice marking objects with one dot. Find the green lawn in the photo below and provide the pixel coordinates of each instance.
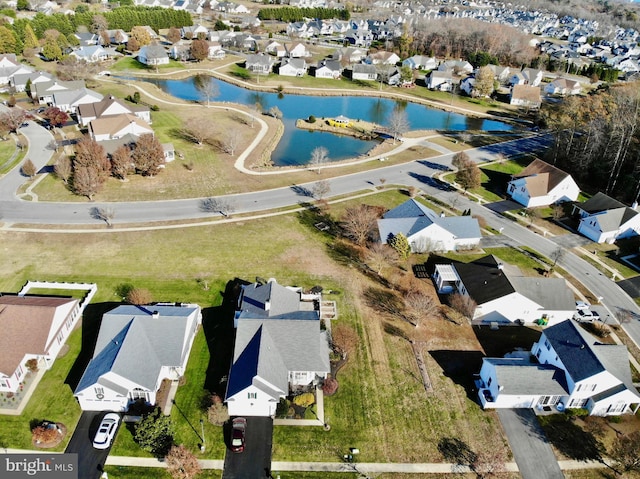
(130, 63)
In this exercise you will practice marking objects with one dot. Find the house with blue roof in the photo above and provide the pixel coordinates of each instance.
(279, 348)
(428, 231)
(566, 368)
(137, 348)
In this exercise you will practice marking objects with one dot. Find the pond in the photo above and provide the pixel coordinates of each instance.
(296, 145)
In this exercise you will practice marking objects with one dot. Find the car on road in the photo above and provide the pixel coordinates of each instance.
(582, 305)
(106, 431)
(586, 316)
(239, 428)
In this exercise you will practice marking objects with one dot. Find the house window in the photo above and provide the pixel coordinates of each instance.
(547, 345)
(619, 407)
(299, 376)
(138, 393)
(489, 382)
(4, 383)
(252, 395)
(578, 403)
(548, 400)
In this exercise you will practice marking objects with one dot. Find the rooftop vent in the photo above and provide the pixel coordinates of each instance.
(155, 315)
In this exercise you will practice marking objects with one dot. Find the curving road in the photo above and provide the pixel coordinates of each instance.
(418, 173)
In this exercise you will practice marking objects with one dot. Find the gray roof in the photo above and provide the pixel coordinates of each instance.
(517, 376)
(412, 217)
(153, 51)
(611, 220)
(271, 300)
(69, 97)
(269, 349)
(550, 293)
(135, 345)
(600, 202)
(364, 68)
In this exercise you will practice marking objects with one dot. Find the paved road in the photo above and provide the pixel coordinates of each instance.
(529, 445)
(90, 460)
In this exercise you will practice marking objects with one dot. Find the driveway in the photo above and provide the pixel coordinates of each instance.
(255, 461)
(90, 460)
(531, 449)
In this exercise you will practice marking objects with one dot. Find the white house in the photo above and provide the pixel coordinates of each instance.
(362, 71)
(563, 86)
(90, 54)
(427, 231)
(297, 50)
(526, 96)
(279, 348)
(605, 220)
(527, 76)
(34, 327)
(19, 81)
(542, 184)
(259, 63)
(503, 294)
(421, 62)
(153, 55)
(467, 85)
(456, 66)
(111, 106)
(43, 91)
(10, 66)
(292, 67)
(382, 57)
(439, 80)
(117, 126)
(69, 100)
(275, 48)
(328, 69)
(137, 348)
(567, 369)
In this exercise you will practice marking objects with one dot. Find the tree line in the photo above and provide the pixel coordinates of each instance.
(294, 14)
(597, 139)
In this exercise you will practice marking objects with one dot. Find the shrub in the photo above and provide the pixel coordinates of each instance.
(304, 399)
(138, 296)
(330, 386)
(217, 414)
(45, 434)
(32, 365)
(154, 108)
(312, 119)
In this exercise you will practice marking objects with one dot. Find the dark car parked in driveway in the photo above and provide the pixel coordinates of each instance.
(239, 428)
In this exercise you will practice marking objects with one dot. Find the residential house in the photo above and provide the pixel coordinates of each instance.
(421, 62)
(567, 368)
(153, 55)
(279, 347)
(118, 36)
(526, 96)
(43, 91)
(275, 48)
(113, 127)
(292, 67)
(259, 63)
(527, 76)
(500, 73)
(69, 100)
(137, 348)
(34, 327)
(362, 71)
(563, 86)
(440, 80)
(87, 38)
(359, 38)
(382, 58)
(428, 231)
(194, 31)
(605, 220)
(181, 50)
(10, 66)
(458, 67)
(542, 184)
(90, 54)
(503, 294)
(467, 85)
(297, 50)
(111, 106)
(328, 69)
(349, 55)
(19, 81)
(216, 51)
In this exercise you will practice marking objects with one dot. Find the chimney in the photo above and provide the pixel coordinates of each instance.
(155, 315)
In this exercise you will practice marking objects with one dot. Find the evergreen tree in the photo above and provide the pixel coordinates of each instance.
(8, 41)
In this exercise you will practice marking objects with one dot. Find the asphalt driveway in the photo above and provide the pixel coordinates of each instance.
(90, 460)
(255, 461)
(531, 449)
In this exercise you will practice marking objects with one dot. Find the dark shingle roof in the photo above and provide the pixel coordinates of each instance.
(484, 280)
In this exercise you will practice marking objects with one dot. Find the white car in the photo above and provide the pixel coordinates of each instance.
(582, 305)
(586, 316)
(106, 431)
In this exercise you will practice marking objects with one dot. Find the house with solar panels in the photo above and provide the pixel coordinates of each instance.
(280, 347)
(567, 368)
(428, 231)
(137, 348)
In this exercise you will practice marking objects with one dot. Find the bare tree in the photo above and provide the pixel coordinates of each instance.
(419, 306)
(490, 463)
(320, 189)
(207, 86)
(87, 181)
(218, 414)
(62, 169)
(625, 451)
(463, 304)
(138, 296)
(398, 123)
(275, 112)
(104, 214)
(181, 463)
(345, 338)
(484, 82)
(359, 222)
(379, 255)
(148, 155)
(230, 140)
(319, 156)
(532, 214)
(121, 162)
(197, 130)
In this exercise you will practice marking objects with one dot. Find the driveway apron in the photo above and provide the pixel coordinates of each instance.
(531, 449)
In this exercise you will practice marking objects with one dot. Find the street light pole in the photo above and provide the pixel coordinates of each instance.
(204, 441)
